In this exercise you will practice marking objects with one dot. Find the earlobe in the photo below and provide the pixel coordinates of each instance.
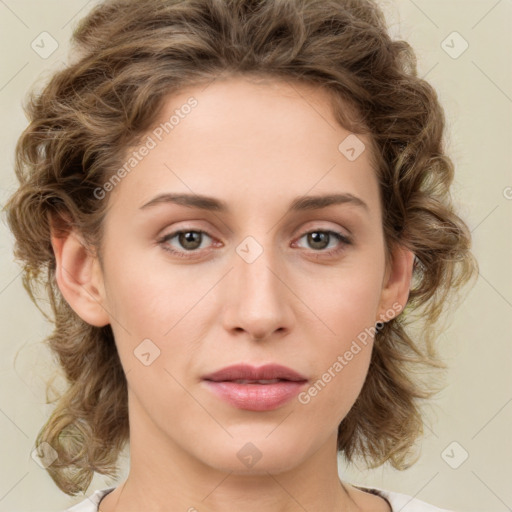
(79, 277)
(397, 283)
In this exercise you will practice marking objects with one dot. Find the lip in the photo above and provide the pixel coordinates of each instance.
(254, 396)
(248, 372)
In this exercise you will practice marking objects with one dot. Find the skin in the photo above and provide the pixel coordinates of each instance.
(256, 146)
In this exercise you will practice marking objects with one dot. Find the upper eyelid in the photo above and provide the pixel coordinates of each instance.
(302, 232)
(335, 231)
(314, 226)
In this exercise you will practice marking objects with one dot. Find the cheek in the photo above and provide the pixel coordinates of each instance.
(341, 368)
(347, 303)
(148, 298)
(170, 307)
(334, 390)
(348, 308)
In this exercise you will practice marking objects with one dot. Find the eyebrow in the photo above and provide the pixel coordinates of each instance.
(213, 204)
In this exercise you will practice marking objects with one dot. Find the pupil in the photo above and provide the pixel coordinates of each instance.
(316, 238)
(188, 238)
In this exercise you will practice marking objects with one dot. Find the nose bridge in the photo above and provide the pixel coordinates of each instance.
(258, 297)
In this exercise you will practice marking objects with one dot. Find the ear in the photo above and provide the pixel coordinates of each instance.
(78, 274)
(397, 283)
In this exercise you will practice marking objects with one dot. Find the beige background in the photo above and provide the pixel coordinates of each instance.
(475, 410)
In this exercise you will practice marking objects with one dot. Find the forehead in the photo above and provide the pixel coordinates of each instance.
(269, 105)
(251, 137)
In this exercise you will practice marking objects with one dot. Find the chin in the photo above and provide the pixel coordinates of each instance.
(254, 454)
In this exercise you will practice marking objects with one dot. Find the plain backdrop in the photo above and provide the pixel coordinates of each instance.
(464, 49)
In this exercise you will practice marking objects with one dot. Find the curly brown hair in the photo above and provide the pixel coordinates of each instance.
(129, 56)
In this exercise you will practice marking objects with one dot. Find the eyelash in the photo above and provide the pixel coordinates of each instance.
(345, 240)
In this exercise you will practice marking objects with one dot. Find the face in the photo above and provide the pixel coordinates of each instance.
(254, 275)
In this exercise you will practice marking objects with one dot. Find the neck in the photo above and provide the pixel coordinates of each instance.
(163, 476)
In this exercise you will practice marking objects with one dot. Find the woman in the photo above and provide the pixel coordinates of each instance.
(239, 207)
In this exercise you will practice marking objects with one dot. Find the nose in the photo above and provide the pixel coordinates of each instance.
(258, 299)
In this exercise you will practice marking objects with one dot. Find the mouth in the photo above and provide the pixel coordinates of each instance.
(262, 374)
(245, 381)
(255, 389)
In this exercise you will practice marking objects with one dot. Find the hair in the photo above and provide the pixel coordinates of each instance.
(129, 57)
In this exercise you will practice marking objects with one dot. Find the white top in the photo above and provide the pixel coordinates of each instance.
(398, 502)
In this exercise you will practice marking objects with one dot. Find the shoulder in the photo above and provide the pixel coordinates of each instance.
(402, 502)
(90, 504)
(399, 502)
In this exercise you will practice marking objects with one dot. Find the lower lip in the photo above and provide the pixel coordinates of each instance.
(256, 397)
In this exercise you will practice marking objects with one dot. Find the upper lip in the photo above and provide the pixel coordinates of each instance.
(248, 372)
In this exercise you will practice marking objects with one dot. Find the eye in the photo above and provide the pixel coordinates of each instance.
(189, 241)
(320, 240)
